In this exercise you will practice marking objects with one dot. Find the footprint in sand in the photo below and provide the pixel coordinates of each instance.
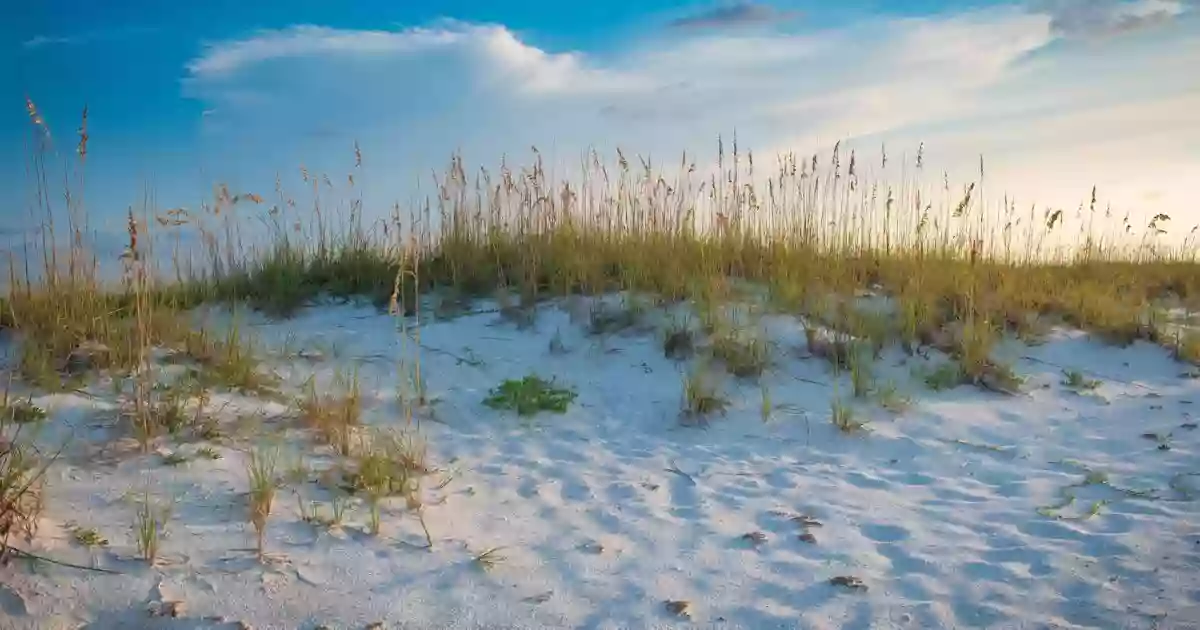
(528, 488)
(11, 602)
(619, 492)
(572, 489)
(885, 533)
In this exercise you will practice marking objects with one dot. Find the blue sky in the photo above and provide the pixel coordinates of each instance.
(1057, 94)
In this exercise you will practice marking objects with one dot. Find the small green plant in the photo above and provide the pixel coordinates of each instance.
(169, 414)
(88, 537)
(1074, 379)
(859, 365)
(998, 377)
(765, 408)
(391, 464)
(489, 558)
(209, 430)
(22, 479)
(834, 349)
(743, 357)
(335, 414)
(605, 318)
(297, 475)
(375, 480)
(338, 506)
(530, 395)
(1186, 347)
(890, 398)
(945, 376)
(174, 458)
(412, 392)
(843, 417)
(208, 452)
(149, 526)
(974, 344)
(701, 395)
(228, 361)
(22, 411)
(168, 403)
(679, 342)
(263, 482)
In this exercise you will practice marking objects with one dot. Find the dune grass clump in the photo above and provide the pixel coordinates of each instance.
(859, 366)
(892, 399)
(1076, 380)
(842, 415)
(21, 411)
(150, 521)
(88, 537)
(22, 482)
(489, 558)
(1185, 347)
(530, 395)
(702, 396)
(743, 355)
(832, 347)
(335, 414)
(945, 376)
(678, 341)
(808, 234)
(924, 264)
(261, 471)
(155, 409)
(227, 361)
(605, 318)
(391, 464)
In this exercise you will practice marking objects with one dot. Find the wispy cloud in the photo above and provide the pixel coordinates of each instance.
(739, 14)
(500, 55)
(226, 57)
(1051, 125)
(47, 40)
(1103, 18)
(43, 41)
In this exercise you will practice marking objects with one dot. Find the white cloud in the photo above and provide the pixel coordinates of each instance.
(224, 58)
(987, 81)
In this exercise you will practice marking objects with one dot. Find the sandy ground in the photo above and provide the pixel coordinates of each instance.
(607, 511)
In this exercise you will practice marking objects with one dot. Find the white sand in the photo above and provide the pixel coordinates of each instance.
(597, 532)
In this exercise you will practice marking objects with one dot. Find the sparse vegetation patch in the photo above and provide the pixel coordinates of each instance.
(530, 395)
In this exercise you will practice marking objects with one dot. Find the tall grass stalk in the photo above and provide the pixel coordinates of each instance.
(808, 230)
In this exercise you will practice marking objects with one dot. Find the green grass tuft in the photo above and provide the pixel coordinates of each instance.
(530, 395)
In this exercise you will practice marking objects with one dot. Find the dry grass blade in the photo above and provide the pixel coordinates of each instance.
(261, 472)
(489, 558)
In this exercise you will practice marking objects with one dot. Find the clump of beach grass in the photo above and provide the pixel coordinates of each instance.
(388, 464)
(227, 360)
(150, 525)
(678, 341)
(261, 472)
(844, 417)
(22, 482)
(702, 396)
(335, 413)
(743, 355)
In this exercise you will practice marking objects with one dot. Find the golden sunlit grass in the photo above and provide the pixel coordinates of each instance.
(334, 412)
(809, 232)
(956, 273)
